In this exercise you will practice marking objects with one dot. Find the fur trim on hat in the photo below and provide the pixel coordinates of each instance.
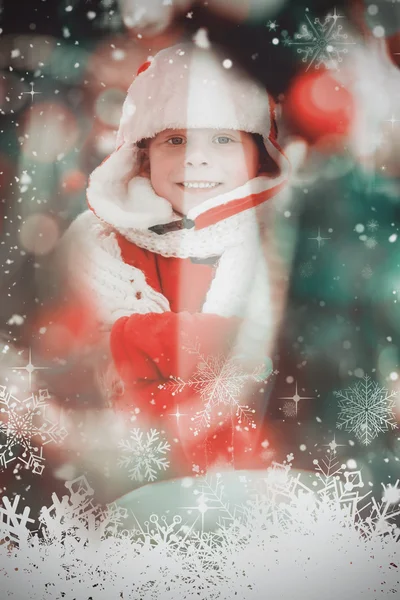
(188, 87)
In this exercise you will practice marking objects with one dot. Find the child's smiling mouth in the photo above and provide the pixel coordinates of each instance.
(196, 186)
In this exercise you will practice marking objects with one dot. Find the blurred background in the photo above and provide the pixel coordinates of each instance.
(333, 67)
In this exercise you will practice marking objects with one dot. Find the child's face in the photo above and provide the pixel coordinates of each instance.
(180, 157)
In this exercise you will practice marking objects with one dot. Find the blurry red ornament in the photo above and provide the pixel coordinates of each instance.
(73, 181)
(319, 109)
(66, 330)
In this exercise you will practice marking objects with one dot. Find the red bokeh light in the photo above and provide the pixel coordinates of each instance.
(319, 109)
(67, 330)
(73, 181)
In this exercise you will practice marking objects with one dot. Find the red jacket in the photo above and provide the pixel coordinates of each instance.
(151, 354)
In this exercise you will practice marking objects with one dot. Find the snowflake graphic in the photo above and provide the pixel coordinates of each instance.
(290, 409)
(366, 410)
(210, 497)
(13, 525)
(370, 242)
(272, 25)
(78, 514)
(220, 380)
(331, 486)
(320, 42)
(372, 225)
(367, 272)
(145, 455)
(25, 429)
(306, 269)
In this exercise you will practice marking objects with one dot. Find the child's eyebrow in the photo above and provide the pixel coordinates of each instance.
(231, 132)
(168, 132)
(184, 132)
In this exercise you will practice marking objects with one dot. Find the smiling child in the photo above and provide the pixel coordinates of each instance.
(178, 255)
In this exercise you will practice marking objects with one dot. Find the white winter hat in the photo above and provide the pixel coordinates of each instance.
(185, 87)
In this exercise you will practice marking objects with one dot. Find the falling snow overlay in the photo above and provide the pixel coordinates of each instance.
(366, 410)
(220, 380)
(320, 43)
(25, 429)
(144, 455)
(286, 525)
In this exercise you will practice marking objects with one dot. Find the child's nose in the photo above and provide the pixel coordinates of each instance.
(196, 155)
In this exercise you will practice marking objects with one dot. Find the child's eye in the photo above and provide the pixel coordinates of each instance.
(225, 139)
(175, 141)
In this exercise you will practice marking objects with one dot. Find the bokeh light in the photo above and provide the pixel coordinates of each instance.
(39, 234)
(113, 63)
(13, 94)
(108, 106)
(25, 52)
(73, 181)
(52, 129)
(105, 142)
(150, 17)
(319, 109)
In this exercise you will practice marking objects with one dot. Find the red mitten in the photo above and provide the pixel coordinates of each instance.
(160, 358)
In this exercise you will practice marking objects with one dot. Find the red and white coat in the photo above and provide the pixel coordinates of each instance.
(184, 298)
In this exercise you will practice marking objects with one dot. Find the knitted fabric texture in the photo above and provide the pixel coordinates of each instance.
(115, 288)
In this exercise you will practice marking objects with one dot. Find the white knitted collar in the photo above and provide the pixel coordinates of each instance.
(148, 209)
